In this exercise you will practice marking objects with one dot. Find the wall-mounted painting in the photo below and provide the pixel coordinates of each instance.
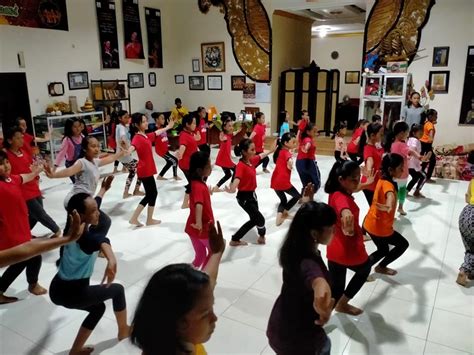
(439, 81)
(213, 57)
(196, 83)
(440, 56)
(237, 82)
(352, 77)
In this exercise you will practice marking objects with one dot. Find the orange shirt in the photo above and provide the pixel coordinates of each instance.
(429, 126)
(380, 223)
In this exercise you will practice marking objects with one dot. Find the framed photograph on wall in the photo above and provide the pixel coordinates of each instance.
(213, 57)
(237, 82)
(214, 82)
(152, 79)
(440, 56)
(196, 83)
(196, 65)
(179, 79)
(78, 80)
(352, 77)
(136, 81)
(394, 86)
(439, 81)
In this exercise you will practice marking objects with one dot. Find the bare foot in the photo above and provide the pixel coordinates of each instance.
(5, 299)
(138, 193)
(57, 234)
(261, 240)
(37, 290)
(418, 194)
(287, 215)
(115, 171)
(348, 309)
(124, 170)
(402, 212)
(366, 238)
(126, 195)
(217, 189)
(84, 351)
(185, 205)
(385, 270)
(153, 222)
(280, 218)
(462, 278)
(177, 178)
(370, 278)
(431, 181)
(237, 243)
(136, 223)
(124, 333)
(266, 171)
(300, 201)
(159, 177)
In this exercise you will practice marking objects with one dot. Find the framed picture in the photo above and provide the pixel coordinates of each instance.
(179, 79)
(372, 86)
(78, 80)
(397, 67)
(352, 77)
(439, 81)
(214, 82)
(136, 81)
(440, 56)
(213, 57)
(466, 115)
(196, 83)
(237, 82)
(394, 86)
(152, 79)
(196, 66)
(56, 88)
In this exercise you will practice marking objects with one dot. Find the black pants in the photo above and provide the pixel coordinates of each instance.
(309, 173)
(286, 205)
(354, 157)
(78, 294)
(263, 161)
(32, 266)
(369, 195)
(338, 278)
(338, 156)
(187, 187)
(248, 201)
(228, 173)
(150, 191)
(425, 148)
(400, 244)
(205, 148)
(36, 213)
(418, 178)
(171, 161)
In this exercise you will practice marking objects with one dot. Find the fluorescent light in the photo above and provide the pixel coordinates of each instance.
(323, 32)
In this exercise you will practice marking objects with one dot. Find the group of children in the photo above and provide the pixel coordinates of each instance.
(310, 291)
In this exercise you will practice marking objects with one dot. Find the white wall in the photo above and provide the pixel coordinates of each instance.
(350, 58)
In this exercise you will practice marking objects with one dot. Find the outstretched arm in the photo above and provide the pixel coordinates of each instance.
(217, 245)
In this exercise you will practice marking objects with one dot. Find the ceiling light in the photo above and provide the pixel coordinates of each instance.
(323, 32)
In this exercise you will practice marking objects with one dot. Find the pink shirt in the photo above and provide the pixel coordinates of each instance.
(413, 162)
(66, 152)
(402, 149)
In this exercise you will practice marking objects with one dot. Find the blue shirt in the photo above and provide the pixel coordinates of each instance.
(285, 127)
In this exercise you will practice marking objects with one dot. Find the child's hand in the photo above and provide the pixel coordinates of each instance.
(109, 274)
(216, 239)
(47, 170)
(36, 169)
(77, 228)
(383, 207)
(370, 175)
(323, 306)
(308, 193)
(197, 226)
(230, 189)
(347, 224)
(107, 182)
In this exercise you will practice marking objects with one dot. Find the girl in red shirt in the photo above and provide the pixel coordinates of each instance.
(346, 250)
(202, 127)
(21, 163)
(146, 169)
(353, 146)
(200, 209)
(282, 175)
(370, 149)
(162, 149)
(29, 140)
(14, 228)
(305, 161)
(246, 181)
(187, 146)
(258, 137)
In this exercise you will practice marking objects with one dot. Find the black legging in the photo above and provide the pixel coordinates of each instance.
(425, 148)
(263, 161)
(77, 294)
(205, 148)
(32, 266)
(417, 177)
(187, 187)
(355, 157)
(150, 191)
(369, 196)
(400, 244)
(248, 201)
(36, 213)
(338, 278)
(171, 161)
(228, 173)
(286, 205)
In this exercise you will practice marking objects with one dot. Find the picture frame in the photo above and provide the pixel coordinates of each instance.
(439, 81)
(397, 67)
(237, 82)
(152, 79)
(372, 86)
(213, 57)
(56, 88)
(179, 79)
(136, 81)
(196, 65)
(352, 77)
(214, 82)
(78, 80)
(394, 86)
(196, 82)
(440, 56)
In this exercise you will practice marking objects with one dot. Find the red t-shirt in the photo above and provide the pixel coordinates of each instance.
(161, 144)
(352, 147)
(344, 249)
(146, 163)
(199, 194)
(281, 175)
(311, 151)
(21, 165)
(259, 137)
(111, 142)
(247, 174)
(223, 158)
(203, 131)
(371, 151)
(187, 139)
(14, 225)
(28, 140)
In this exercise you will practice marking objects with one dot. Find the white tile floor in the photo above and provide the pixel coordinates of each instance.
(419, 311)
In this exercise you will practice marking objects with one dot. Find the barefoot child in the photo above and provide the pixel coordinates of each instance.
(340, 149)
(162, 149)
(71, 144)
(353, 146)
(258, 137)
(29, 140)
(306, 164)
(414, 162)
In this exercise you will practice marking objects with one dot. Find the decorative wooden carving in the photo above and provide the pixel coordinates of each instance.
(249, 26)
(393, 29)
